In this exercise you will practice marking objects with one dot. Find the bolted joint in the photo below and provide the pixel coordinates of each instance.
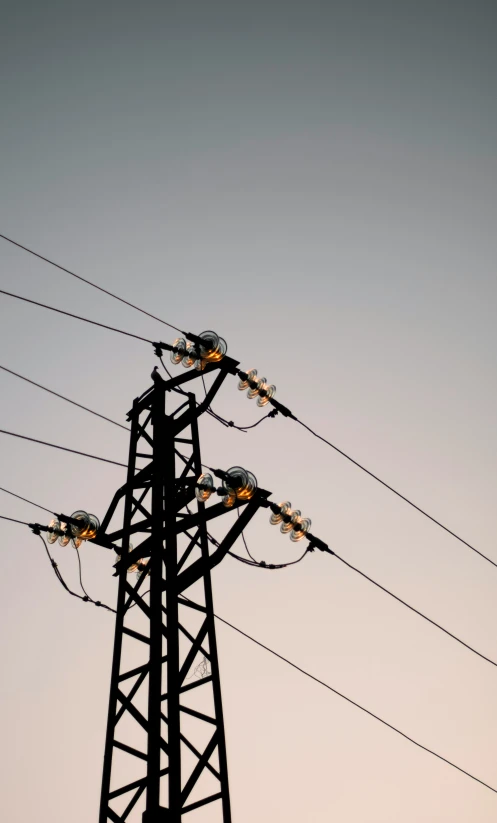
(316, 543)
(160, 348)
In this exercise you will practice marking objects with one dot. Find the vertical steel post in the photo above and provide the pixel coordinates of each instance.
(118, 634)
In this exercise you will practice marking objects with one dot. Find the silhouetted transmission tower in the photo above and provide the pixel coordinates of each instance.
(165, 750)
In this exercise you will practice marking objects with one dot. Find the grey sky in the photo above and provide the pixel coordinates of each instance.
(315, 181)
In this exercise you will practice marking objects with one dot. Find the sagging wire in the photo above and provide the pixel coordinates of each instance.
(135, 603)
(210, 411)
(261, 564)
(245, 542)
(86, 597)
(271, 566)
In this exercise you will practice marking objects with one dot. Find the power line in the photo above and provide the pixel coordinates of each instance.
(80, 572)
(285, 660)
(13, 520)
(86, 598)
(77, 317)
(63, 397)
(154, 317)
(390, 488)
(270, 566)
(211, 412)
(89, 282)
(354, 703)
(416, 611)
(38, 385)
(63, 448)
(26, 500)
(261, 564)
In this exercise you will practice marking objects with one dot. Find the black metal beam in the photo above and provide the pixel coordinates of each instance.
(175, 540)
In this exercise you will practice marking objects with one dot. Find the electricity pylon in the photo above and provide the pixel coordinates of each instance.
(165, 749)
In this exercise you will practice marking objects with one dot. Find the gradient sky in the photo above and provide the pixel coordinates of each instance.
(317, 182)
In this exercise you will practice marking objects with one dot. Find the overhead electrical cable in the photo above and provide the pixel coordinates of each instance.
(13, 494)
(261, 564)
(63, 448)
(86, 597)
(88, 282)
(55, 567)
(76, 316)
(271, 566)
(80, 572)
(391, 488)
(354, 703)
(289, 663)
(289, 414)
(63, 397)
(413, 609)
(13, 520)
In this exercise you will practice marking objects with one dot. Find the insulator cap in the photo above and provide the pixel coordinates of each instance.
(255, 386)
(55, 530)
(190, 357)
(265, 394)
(240, 483)
(90, 524)
(212, 347)
(180, 346)
(246, 378)
(204, 487)
(279, 512)
(229, 500)
(143, 566)
(65, 537)
(300, 528)
(291, 517)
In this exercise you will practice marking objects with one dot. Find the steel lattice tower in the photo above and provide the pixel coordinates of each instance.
(165, 689)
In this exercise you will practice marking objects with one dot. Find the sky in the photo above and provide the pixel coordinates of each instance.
(317, 183)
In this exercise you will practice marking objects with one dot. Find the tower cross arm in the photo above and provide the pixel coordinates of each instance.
(188, 577)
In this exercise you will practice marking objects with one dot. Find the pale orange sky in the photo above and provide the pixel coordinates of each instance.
(316, 182)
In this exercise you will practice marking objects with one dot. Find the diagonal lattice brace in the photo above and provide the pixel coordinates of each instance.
(165, 635)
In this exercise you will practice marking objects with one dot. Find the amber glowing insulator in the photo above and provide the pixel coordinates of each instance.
(142, 566)
(53, 535)
(265, 394)
(289, 519)
(76, 542)
(89, 527)
(83, 519)
(180, 346)
(240, 482)
(212, 348)
(229, 500)
(134, 566)
(257, 384)
(244, 384)
(190, 357)
(204, 487)
(277, 517)
(65, 537)
(300, 527)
